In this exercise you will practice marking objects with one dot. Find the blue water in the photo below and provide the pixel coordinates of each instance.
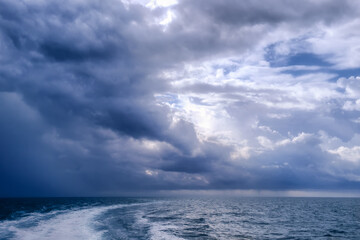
(180, 218)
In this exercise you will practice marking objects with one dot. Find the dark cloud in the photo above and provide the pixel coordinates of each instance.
(60, 52)
(235, 13)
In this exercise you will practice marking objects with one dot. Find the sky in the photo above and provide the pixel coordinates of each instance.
(116, 97)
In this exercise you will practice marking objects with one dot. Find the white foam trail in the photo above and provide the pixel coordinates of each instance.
(157, 231)
(72, 224)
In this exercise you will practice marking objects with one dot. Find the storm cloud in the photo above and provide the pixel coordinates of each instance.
(111, 97)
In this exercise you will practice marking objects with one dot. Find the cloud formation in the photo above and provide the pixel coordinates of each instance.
(106, 97)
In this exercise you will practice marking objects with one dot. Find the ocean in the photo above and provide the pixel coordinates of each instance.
(179, 218)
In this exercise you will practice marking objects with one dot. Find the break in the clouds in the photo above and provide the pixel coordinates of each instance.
(111, 97)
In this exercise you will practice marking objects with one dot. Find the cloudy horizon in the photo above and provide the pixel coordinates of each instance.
(114, 97)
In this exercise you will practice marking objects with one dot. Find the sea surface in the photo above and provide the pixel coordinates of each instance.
(180, 218)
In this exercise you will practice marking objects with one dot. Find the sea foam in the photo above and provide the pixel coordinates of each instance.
(69, 224)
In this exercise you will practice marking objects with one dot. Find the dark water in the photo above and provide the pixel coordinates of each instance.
(170, 218)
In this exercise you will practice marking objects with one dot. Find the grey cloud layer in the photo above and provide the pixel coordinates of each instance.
(78, 112)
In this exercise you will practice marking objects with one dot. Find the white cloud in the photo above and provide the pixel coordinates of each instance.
(265, 142)
(161, 3)
(351, 86)
(151, 172)
(297, 139)
(340, 43)
(352, 105)
(348, 154)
